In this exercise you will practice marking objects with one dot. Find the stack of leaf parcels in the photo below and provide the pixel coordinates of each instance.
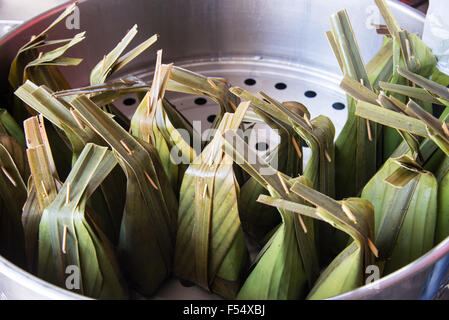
(100, 203)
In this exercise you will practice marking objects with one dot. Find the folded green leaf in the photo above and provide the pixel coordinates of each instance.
(70, 241)
(357, 148)
(13, 194)
(108, 201)
(392, 119)
(290, 252)
(27, 52)
(42, 188)
(355, 217)
(442, 223)
(9, 126)
(210, 245)
(152, 124)
(257, 220)
(182, 80)
(148, 229)
(405, 201)
(411, 92)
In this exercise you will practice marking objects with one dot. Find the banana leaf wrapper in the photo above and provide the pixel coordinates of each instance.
(34, 61)
(9, 126)
(113, 62)
(69, 237)
(259, 220)
(318, 134)
(13, 194)
(358, 146)
(353, 216)
(148, 228)
(30, 221)
(210, 245)
(442, 222)
(42, 189)
(277, 274)
(108, 201)
(433, 147)
(217, 89)
(105, 93)
(405, 201)
(39, 60)
(411, 53)
(346, 272)
(151, 122)
(28, 53)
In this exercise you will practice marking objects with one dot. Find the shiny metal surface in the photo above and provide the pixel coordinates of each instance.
(268, 41)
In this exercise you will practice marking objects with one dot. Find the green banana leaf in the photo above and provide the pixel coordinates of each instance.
(148, 228)
(411, 53)
(13, 194)
(108, 201)
(42, 189)
(357, 146)
(318, 134)
(210, 246)
(442, 222)
(36, 62)
(152, 124)
(42, 69)
(185, 81)
(258, 220)
(354, 216)
(30, 220)
(9, 126)
(405, 201)
(277, 274)
(68, 238)
(113, 62)
(28, 53)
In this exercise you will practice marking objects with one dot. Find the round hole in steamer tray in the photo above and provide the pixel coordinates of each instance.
(310, 94)
(129, 101)
(338, 106)
(249, 81)
(280, 86)
(200, 101)
(211, 118)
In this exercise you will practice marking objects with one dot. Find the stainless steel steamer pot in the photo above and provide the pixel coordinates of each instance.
(279, 44)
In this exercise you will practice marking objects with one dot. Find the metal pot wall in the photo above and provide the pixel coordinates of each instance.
(270, 42)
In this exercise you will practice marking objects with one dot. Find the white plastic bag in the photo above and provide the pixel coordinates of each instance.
(436, 32)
